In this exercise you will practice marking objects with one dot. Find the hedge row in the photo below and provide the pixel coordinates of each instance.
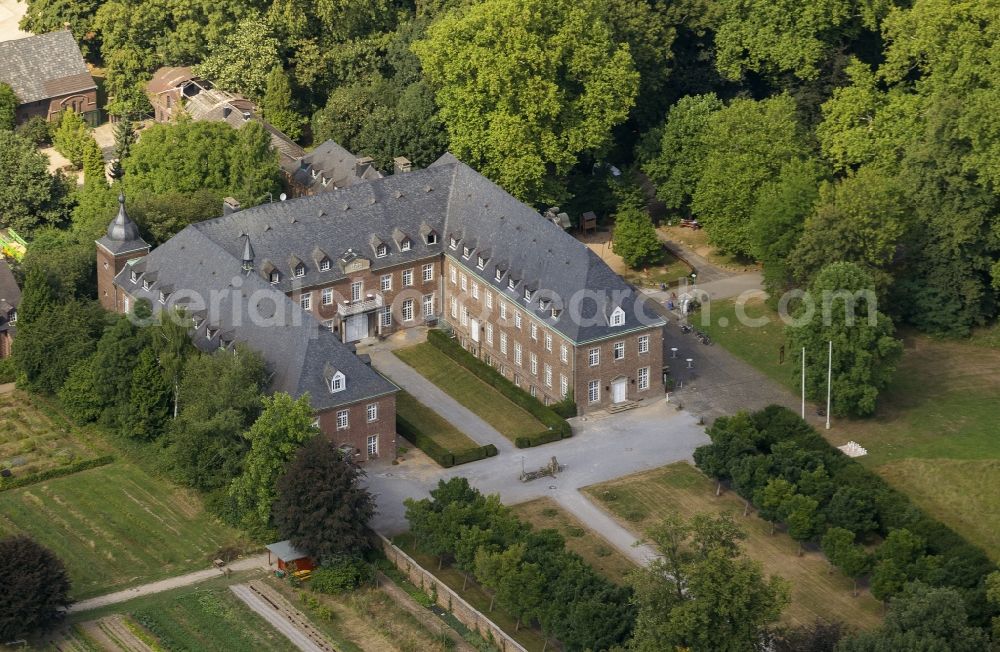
(55, 472)
(435, 451)
(557, 426)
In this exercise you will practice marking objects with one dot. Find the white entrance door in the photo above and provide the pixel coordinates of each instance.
(618, 387)
(474, 329)
(357, 328)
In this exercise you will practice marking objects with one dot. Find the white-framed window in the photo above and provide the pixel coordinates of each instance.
(428, 272)
(489, 299)
(372, 412)
(133, 277)
(372, 446)
(533, 359)
(563, 353)
(381, 251)
(432, 238)
(274, 277)
(125, 306)
(548, 375)
(517, 320)
(499, 274)
(408, 310)
(489, 334)
(594, 356)
(644, 344)
(503, 343)
(465, 281)
(306, 300)
(643, 378)
(556, 312)
(324, 265)
(385, 282)
(527, 294)
(300, 270)
(452, 243)
(465, 317)
(511, 282)
(475, 290)
(428, 305)
(533, 391)
(326, 296)
(337, 382)
(548, 342)
(534, 331)
(343, 421)
(385, 316)
(407, 278)
(563, 385)
(454, 308)
(480, 262)
(617, 317)
(466, 252)
(594, 391)
(405, 245)
(163, 297)
(453, 275)
(517, 353)
(619, 350)
(357, 289)
(503, 310)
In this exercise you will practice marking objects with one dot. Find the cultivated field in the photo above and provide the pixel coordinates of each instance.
(34, 437)
(934, 434)
(459, 383)
(115, 526)
(545, 513)
(640, 500)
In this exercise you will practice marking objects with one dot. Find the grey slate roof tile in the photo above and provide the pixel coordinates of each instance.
(44, 66)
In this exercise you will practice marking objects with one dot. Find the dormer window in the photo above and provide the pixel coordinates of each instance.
(163, 296)
(405, 245)
(337, 383)
(556, 312)
(196, 320)
(210, 332)
(275, 277)
(480, 262)
(300, 270)
(452, 243)
(13, 317)
(146, 285)
(381, 251)
(527, 294)
(511, 283)
(544, 304)
(466, 252)
(324, 265)
(133, 277)
(617, 317)
(432, 238)
(499, 274)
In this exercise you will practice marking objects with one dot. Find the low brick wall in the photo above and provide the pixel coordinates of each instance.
(448, 599)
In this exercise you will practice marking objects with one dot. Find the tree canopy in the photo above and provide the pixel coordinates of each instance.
(36, 587)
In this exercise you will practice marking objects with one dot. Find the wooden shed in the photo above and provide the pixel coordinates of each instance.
(286, 555)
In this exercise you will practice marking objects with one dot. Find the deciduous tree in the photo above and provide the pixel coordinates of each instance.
(635, 238)
(242, 60)
(8, 107)
(30, 197)
(36, 587)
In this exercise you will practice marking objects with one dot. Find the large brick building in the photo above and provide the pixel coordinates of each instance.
(48, 75)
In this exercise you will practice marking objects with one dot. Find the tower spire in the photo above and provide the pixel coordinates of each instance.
(122, 228)
(247, 254)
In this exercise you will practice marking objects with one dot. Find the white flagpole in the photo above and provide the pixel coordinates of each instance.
(829, 384)
(803, 382)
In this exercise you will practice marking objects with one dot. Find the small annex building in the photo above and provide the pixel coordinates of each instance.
(48, 75)
(285, 555)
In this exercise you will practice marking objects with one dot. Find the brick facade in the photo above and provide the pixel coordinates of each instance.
(108, 266)
(359, 429)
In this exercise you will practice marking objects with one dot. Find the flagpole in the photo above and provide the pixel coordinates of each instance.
(829, 384)
(803, 382)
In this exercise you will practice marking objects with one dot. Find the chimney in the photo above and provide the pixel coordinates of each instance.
(226, 111)
(361, 165)
(230, 205)
(401, 164)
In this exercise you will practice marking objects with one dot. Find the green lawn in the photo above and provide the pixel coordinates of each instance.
(459, 383)
(934, 434)
(442, 432)
(115, 526)
(639, 501)
(209, 619)
(669, 271)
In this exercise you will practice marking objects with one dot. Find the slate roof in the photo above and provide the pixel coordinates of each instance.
(44, 66)
(329, 167)
(248, 310)
(122, 235)
(451, 199)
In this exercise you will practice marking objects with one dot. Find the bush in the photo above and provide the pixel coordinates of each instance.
(56, 472)
(339, 575)
(558, 428)
(37, 130)
(415, 435)
(8, 372)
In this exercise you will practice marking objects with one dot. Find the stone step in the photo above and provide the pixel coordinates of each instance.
(621, 407)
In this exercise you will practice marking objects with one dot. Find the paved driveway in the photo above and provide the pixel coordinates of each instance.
(11, 12)
(602, 448)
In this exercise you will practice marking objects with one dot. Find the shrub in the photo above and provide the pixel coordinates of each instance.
(37, 130)
(339, 575)
(55, 472)
(415, 435)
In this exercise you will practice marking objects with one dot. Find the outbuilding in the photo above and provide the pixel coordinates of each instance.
(286, 555)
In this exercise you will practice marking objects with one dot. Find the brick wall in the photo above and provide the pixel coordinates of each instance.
(108, 266)
(359, 429)
(448, 599)
(609, 369)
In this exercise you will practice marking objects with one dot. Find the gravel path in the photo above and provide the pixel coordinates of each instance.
(277, 619)
(258, 561)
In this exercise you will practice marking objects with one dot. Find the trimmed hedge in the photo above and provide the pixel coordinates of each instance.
(558, 427)
(55, 472)
(435, 451)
